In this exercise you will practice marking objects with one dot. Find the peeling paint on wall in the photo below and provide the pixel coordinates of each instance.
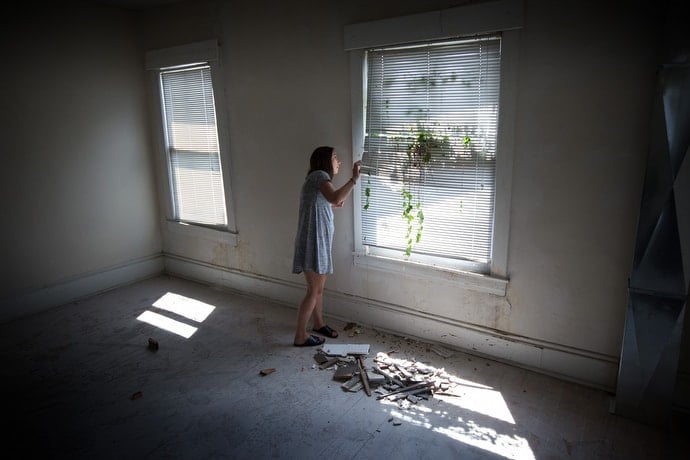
(221, 255)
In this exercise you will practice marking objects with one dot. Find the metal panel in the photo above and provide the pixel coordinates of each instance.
(658, 288)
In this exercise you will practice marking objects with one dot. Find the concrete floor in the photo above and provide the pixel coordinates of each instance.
(69, 374)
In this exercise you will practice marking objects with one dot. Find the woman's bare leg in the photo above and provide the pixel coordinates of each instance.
(317, 314)
(314, 297)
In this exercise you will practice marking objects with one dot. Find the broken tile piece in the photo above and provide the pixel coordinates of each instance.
(329, 363)
(345, 372)
(352, 385)
(376, 379)
(344, 349)
(320, 358)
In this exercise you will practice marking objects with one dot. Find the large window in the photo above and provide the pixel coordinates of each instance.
(430, 149)
(194, 159)
(433, 119)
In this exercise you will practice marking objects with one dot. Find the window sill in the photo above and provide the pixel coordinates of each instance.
(197, 231)
(474, 281)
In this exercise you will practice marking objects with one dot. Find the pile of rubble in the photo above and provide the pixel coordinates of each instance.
(402, 380)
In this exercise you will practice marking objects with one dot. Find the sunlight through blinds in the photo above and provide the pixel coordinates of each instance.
(192, 145)
(431, 128)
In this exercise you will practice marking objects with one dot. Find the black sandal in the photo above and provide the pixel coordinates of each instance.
(312, 341)
(327, 331)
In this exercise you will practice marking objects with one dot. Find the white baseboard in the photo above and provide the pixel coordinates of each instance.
(78, 287)
(567, 363)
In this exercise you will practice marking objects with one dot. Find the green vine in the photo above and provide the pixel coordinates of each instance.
(367, 194)
(424, 145)
(422, 148)
(410, 213)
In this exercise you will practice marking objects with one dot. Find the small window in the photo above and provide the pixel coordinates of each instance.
(430, 136)
(194, 157)
(191, 141)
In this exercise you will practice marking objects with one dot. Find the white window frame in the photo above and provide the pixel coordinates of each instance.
(206, 52)
(504, 17)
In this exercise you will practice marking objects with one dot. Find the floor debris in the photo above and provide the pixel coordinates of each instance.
(153, 344)
(403, 381)
(265, 372)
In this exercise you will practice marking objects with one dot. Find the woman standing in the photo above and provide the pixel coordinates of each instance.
(314, 240)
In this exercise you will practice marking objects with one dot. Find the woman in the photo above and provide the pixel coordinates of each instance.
(314, 239)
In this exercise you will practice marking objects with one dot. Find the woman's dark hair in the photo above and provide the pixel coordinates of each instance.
(321, 160)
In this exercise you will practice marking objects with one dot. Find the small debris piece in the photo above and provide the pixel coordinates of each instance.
(354, 332)
(265, 372)
(136, 395)
(376, 379)
(320, 358)
(329, 363)
(442, 352)
(345, 349)
(352, 385)
(396, 423)
(153, 344)
(349, 326)
(413, 399)
(345, 372)
(363, 376)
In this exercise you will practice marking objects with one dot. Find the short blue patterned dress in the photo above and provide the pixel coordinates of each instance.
(314, 239)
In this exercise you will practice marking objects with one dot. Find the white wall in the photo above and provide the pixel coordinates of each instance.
(585, 84)
(86, 215)
(76, 183)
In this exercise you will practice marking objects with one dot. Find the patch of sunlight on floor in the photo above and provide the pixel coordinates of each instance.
(168, 324)
(480, 398)
(514, 447)
(184, 306)
(476, 414)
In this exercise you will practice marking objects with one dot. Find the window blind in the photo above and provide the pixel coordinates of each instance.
(192, 145)
(430, 132)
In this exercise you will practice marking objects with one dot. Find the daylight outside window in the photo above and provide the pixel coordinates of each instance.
(192, 146)
(429, 175)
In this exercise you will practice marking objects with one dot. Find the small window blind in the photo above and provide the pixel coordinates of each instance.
(444, 98)
(192, 145)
